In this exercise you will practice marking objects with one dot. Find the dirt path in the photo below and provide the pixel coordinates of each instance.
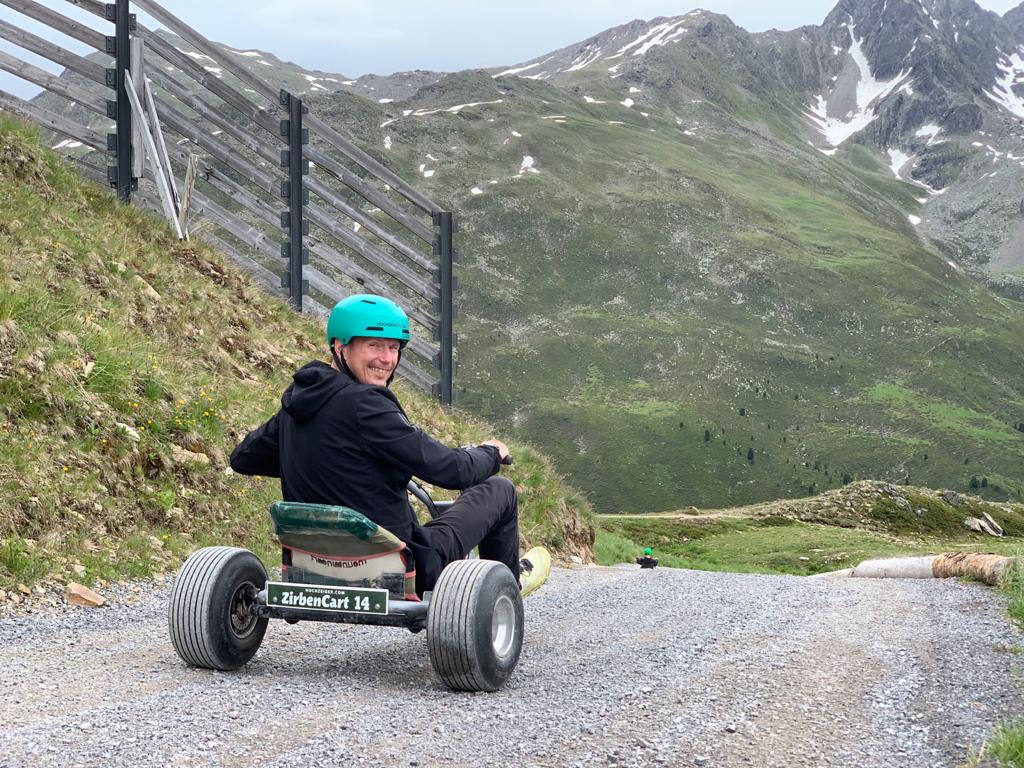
(621, 667)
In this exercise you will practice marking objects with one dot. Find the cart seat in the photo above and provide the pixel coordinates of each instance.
(324, 544)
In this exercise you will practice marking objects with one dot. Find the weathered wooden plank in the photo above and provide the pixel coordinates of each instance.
(369, 223)
(87, 169)
(158, 171)
(95, 7)
(359, 186)
(214, 114)
(270, 279)
(54, 53)
(93, 101)
(136, 67)
(342, 144)
(212, 83)
(372, 253)
(61, 23)
(161, 148)
(225, 219)
(192, 167)
(416, 376)
(370, 281)
(189, 130)
(311, 306)
(54, 122)
(379, 170)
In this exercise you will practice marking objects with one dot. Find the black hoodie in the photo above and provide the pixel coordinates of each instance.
(336, 441)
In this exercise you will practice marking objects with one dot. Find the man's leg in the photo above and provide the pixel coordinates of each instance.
(485, 516)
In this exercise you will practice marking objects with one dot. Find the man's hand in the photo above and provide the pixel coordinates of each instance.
(502, 448)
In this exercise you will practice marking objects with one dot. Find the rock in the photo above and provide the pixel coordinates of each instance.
(147, 290)
(79, 569)
(180, 456)
(3, 596)
(576, 560)
(951, 497)
(132, 433)
(24, 589)
(78, 594)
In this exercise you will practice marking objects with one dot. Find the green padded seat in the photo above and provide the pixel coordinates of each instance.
(324, 544)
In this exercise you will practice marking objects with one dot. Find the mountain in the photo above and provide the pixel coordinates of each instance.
(703, 266)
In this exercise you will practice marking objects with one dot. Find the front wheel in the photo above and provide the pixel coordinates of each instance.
(212, 614)
(475, 625)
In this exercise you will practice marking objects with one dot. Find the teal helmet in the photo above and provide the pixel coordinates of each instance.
(648, 552)
(365, 314)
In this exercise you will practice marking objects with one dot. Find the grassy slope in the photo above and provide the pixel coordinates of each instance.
(130, 364)
(656, 277)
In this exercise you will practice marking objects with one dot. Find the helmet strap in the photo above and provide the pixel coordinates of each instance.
(339, 362)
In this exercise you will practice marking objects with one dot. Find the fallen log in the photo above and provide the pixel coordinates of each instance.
(986, 568)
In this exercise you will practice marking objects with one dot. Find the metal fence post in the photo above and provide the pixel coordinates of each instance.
(446, 277)
(295, 192)
(120, 176)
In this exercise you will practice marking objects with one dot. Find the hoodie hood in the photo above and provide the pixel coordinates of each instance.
(313, 385)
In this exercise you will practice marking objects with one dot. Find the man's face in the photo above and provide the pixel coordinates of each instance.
(371, 360)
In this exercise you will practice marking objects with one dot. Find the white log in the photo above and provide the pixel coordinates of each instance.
(896, 567)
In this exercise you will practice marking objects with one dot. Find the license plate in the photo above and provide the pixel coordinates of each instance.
(322, 597)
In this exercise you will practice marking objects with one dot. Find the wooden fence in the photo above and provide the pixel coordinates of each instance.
(262, 166)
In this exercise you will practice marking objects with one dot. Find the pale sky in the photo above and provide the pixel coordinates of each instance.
(356, 37)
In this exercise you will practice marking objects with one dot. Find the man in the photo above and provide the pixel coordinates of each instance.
(341, 437)
(647, 560)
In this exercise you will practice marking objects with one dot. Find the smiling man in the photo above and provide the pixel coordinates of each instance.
(341, 437)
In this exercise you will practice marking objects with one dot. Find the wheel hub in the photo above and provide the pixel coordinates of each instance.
(243, 613)
(503, 626)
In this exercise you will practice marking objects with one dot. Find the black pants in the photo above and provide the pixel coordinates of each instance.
(486, 516)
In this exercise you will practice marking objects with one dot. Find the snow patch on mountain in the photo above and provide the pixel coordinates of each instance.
(585, 59)
(898, 159)
(929, 131)
(517, 70)
(1011, 69)
(866, 93)
(660, 34)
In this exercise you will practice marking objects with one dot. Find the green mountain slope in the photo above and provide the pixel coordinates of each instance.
(691, 305)
(130, 365)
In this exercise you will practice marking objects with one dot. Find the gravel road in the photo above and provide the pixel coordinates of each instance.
(621, 667)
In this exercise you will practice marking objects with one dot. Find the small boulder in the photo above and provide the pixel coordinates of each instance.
(184, 458)
(78, 594)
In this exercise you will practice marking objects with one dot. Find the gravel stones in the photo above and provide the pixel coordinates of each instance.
(619, 667)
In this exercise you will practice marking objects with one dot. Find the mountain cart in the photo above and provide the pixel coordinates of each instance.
(339, 566)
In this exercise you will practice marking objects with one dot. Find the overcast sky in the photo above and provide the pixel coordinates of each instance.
(356, 37)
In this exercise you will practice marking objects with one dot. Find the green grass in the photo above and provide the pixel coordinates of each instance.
(1013, 586)
(1007, 745)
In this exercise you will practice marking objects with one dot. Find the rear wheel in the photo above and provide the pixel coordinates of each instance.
(475, 625)
(212, 614)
